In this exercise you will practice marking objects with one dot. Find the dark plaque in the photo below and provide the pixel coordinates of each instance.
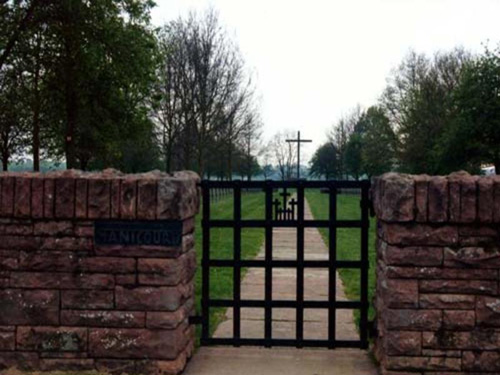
(137, 232)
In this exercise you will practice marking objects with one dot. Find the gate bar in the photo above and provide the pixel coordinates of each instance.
(269, 268)
(237, 258)
(299, 321)
(205, 291)
(332, 271)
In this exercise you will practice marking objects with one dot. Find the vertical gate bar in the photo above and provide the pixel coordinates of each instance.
(268, 325)
(332, 271)
(299, 324)
(365, 223)
(237, 258)
(205, 291)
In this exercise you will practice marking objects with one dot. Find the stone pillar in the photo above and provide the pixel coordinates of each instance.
(96, 271)
(438, 262)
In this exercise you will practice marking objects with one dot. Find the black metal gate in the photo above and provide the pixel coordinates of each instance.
(285, 217)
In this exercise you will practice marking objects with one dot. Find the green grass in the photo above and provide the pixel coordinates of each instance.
(221, 247)
(348, 242)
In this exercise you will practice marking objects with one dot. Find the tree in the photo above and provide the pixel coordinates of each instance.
(324, 162)
(418, 101)
(204, 95)
(474, 137)
(352, 157)
(339, 137)
(378, 152)
(284, 154)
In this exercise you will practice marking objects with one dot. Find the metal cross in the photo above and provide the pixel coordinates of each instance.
(298, 141)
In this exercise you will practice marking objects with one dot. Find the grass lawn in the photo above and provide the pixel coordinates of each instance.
(348, 242)
(221, 247)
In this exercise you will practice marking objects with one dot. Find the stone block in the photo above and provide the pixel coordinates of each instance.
(7, 203)
(29, 307)
(398, 198)
(166, 319)
(116, 366)
(459, 286)
(413, 255)
(473, 256)
(440, 273)
(7, 341)
(64, 198)
(438, 199)
(479, 339)
(99, 199)
(115, 198)
(146, 204)
(488, 311)
(173, 367)
(421, 198)
(87, 299)
(480, 362)
(21, 361)
(128, 198)
(413, 234)
(485, 200)
(163, 298)
(447, 301)
(160, 271)
(454, 200)
(81, 198)
(67, 364)
(496, 201)
(48, 198)
(459, 320)
(61, 280)
(53, 228)
(132, 343)
(106, 265)
(413, 320)
(128, 280)
(103, 318)
(403, 343)
(49, 339)
(424, 363)
(167, 200)
(401, 293)
(22, 204)
(468, 200)
(47, 261)
(37, 197)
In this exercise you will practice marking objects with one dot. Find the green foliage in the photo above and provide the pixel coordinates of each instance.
(324, 162)
(474, 137)
(353, 162)
(378, 151)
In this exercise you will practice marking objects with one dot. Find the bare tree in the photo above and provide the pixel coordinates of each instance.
(284, 154)
(204, 95)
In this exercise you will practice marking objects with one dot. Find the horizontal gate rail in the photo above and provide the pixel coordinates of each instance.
(283, 304)
(285, 263)
(220, 223)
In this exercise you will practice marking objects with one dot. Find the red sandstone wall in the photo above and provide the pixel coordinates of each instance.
(438, 288)
(68, 304)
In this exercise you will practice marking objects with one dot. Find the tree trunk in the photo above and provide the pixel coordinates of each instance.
(5, 161)
(36, 114)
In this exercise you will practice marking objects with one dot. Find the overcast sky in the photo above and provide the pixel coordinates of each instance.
(314, 60)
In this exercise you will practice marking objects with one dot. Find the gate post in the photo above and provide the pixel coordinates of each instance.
(438, 262)
(96, 271)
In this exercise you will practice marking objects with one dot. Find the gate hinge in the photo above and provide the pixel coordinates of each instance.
(195, 319)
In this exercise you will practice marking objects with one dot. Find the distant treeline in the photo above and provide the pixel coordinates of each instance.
(437, 115)
(95, 85)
